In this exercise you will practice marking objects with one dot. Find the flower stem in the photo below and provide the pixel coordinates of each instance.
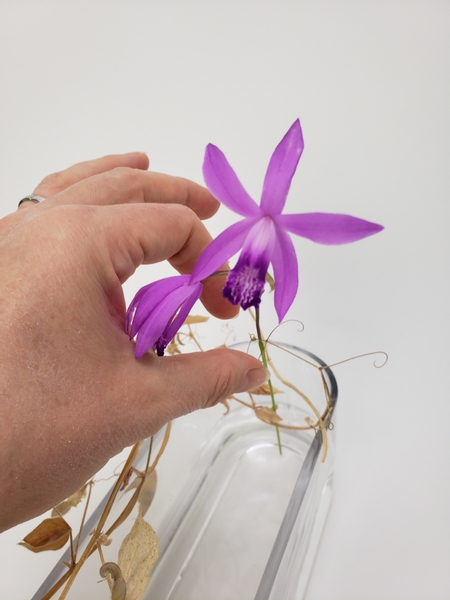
(262, 349)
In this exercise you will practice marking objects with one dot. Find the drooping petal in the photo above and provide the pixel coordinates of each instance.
(245, 283)
(226, 245)
(148, 298)
(285, 271)
(328, 228)
(223, 183)
(281, 170)
(178, 321)
(159, 319)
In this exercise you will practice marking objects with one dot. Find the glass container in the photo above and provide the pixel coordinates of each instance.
(246, 519)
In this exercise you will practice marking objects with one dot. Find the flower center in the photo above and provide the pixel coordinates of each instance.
(244, 286)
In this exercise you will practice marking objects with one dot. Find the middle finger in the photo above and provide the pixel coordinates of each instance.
(57, 182)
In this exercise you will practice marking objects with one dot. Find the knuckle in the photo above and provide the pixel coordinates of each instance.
(124, 172)
(223, 386)
(54, 182)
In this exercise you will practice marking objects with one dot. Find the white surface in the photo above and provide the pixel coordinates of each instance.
(370, 83)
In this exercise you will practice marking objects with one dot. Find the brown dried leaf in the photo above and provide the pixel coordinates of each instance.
(51, 534)
(71, 502)
(173, 348)
(264, 390)
(147, 492)
(267, 415)
(136, 481)
(137, 556)
(192, 320)
(119, 587)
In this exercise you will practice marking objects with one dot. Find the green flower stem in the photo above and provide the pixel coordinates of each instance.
(262, 349)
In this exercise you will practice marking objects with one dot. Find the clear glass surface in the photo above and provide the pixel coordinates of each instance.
(246, 521)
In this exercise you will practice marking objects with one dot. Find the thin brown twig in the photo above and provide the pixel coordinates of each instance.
(93, 541)
(83, 519)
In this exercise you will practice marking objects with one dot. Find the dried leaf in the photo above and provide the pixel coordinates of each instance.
(173, 348)
(51, 534)
(136, 481)
(267, 415)
(192, 320)
(264, 390)
(147, 492)
(137, 556)
(71, 502)
(119, 587)
(148, 489)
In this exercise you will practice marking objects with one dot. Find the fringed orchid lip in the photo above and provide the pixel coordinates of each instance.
(246, 281)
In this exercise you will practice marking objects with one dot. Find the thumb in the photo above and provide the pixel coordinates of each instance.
(188, 382)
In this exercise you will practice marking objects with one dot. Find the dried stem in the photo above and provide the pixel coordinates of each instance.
(97, 532)
(83, 519)
(320, 420)
(102, 559)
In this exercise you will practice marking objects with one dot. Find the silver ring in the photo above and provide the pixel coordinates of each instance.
(31, 198)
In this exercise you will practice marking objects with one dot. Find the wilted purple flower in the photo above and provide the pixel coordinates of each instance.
(158, 310)
(263, 233)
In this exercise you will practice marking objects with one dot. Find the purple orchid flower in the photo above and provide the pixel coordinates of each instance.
(158, 310)
(263, 234)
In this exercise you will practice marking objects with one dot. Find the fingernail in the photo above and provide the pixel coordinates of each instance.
(253, 379)
(135, 155)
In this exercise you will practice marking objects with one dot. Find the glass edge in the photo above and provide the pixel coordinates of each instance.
(298, 494)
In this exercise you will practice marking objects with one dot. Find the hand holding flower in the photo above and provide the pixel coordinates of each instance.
(72, 394)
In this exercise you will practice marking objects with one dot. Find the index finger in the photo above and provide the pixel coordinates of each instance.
(124, 185)
(152, 233)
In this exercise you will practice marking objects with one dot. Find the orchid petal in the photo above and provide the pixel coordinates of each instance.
(328, 228)
(183, 312)
(223, 183)
(281, 170)
(148, 298)
(158, 320)
(285, 271)
(226, 245)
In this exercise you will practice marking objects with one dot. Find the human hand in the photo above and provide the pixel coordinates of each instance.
(72, 394)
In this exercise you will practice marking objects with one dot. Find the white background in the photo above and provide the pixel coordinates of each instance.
(370, 83)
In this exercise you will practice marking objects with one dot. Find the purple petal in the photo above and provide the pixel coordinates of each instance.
(285, 271)
(226, 245)
(223, 183)
(183, 313)
(328, 228)
(245, 283)
(148, 298)
(281, 170)
(159, 320)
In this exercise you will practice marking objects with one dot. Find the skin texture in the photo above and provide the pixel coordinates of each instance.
(72, 395)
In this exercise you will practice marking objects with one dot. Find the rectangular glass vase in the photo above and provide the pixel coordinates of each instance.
(247, 521)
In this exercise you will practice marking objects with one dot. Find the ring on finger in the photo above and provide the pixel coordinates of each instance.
(31, 198)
